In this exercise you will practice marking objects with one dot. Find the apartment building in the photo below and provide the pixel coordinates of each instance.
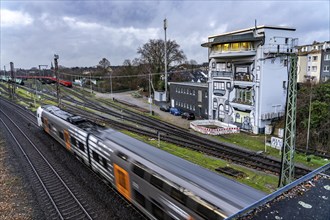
(248, 74)
(314, 62)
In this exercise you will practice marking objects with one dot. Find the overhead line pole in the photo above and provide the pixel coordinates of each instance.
(56, 57)
(288, 148)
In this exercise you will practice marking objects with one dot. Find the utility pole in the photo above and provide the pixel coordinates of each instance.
(110, 77)
(150, 94)
(56, 57)
(288, 148)
(165, 27)
(12, 81)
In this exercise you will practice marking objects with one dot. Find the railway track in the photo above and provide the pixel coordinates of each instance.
(60, 198)
(176, 135)
(184, 138)
(109, 204)
(245, 158)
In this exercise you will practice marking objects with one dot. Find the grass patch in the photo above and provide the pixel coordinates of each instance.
(257, 143)
(258, 180)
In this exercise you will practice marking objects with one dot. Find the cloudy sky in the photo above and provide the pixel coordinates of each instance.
(83, 32)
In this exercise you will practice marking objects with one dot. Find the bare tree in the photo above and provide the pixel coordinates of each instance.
(153, 53)
(104, 64)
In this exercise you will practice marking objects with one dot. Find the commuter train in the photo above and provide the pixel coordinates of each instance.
(159, 184)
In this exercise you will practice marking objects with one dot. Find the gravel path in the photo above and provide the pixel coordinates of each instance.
(16, 200)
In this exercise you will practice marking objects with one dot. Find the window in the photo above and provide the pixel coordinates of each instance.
(205, 111)
(326, 68)
(205, 212)
(178, 196)
(309, 58)
(138, 171)
(225, 47)
(105, 163)
(61, 135)
(81, 146)
(215, 104)
(157, 212)
(309, 68)
(140, 198)
(314, 68)
(155, 181)
(227, 107)
(194, 92)
(199, 98)
(73, 141)
(96, 156)
(228, 85)
(327, 57)
(205, 94)
(245, 45)
(218, 86)
(235, 46)
(314, 58)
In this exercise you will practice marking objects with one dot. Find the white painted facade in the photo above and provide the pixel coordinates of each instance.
(248, 75)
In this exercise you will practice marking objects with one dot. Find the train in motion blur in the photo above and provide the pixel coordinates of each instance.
(159, 184)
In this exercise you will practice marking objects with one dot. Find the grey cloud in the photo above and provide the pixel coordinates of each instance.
(115, 29)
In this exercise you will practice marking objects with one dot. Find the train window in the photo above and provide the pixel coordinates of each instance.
(81, 146)
(155, 181)
(61, 135)
(138, 171)
(157, 212)
(96, 156)
(205, 212)
(140, 198)
(105, 163)
(73, 141)
(178, 196)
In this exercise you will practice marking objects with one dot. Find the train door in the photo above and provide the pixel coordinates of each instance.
(67, 140)
(46, 126)
(122, 181)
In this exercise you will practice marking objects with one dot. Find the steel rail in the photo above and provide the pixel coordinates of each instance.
(49, 165)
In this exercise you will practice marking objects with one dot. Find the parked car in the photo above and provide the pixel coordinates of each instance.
(175, 111)
(164, 108)
(188, 115)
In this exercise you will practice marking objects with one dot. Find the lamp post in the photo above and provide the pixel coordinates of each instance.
(165, 27)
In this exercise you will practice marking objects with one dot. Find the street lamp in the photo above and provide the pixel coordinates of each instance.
(165, 27)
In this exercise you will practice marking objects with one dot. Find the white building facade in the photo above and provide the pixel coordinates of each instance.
(248, 74)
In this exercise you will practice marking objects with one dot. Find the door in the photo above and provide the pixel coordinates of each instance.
(67, 140)
(46, 126)
(122, 181)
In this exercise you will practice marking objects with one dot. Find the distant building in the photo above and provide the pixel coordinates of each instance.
(314, 62)
(248, 74)
(190, 97)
